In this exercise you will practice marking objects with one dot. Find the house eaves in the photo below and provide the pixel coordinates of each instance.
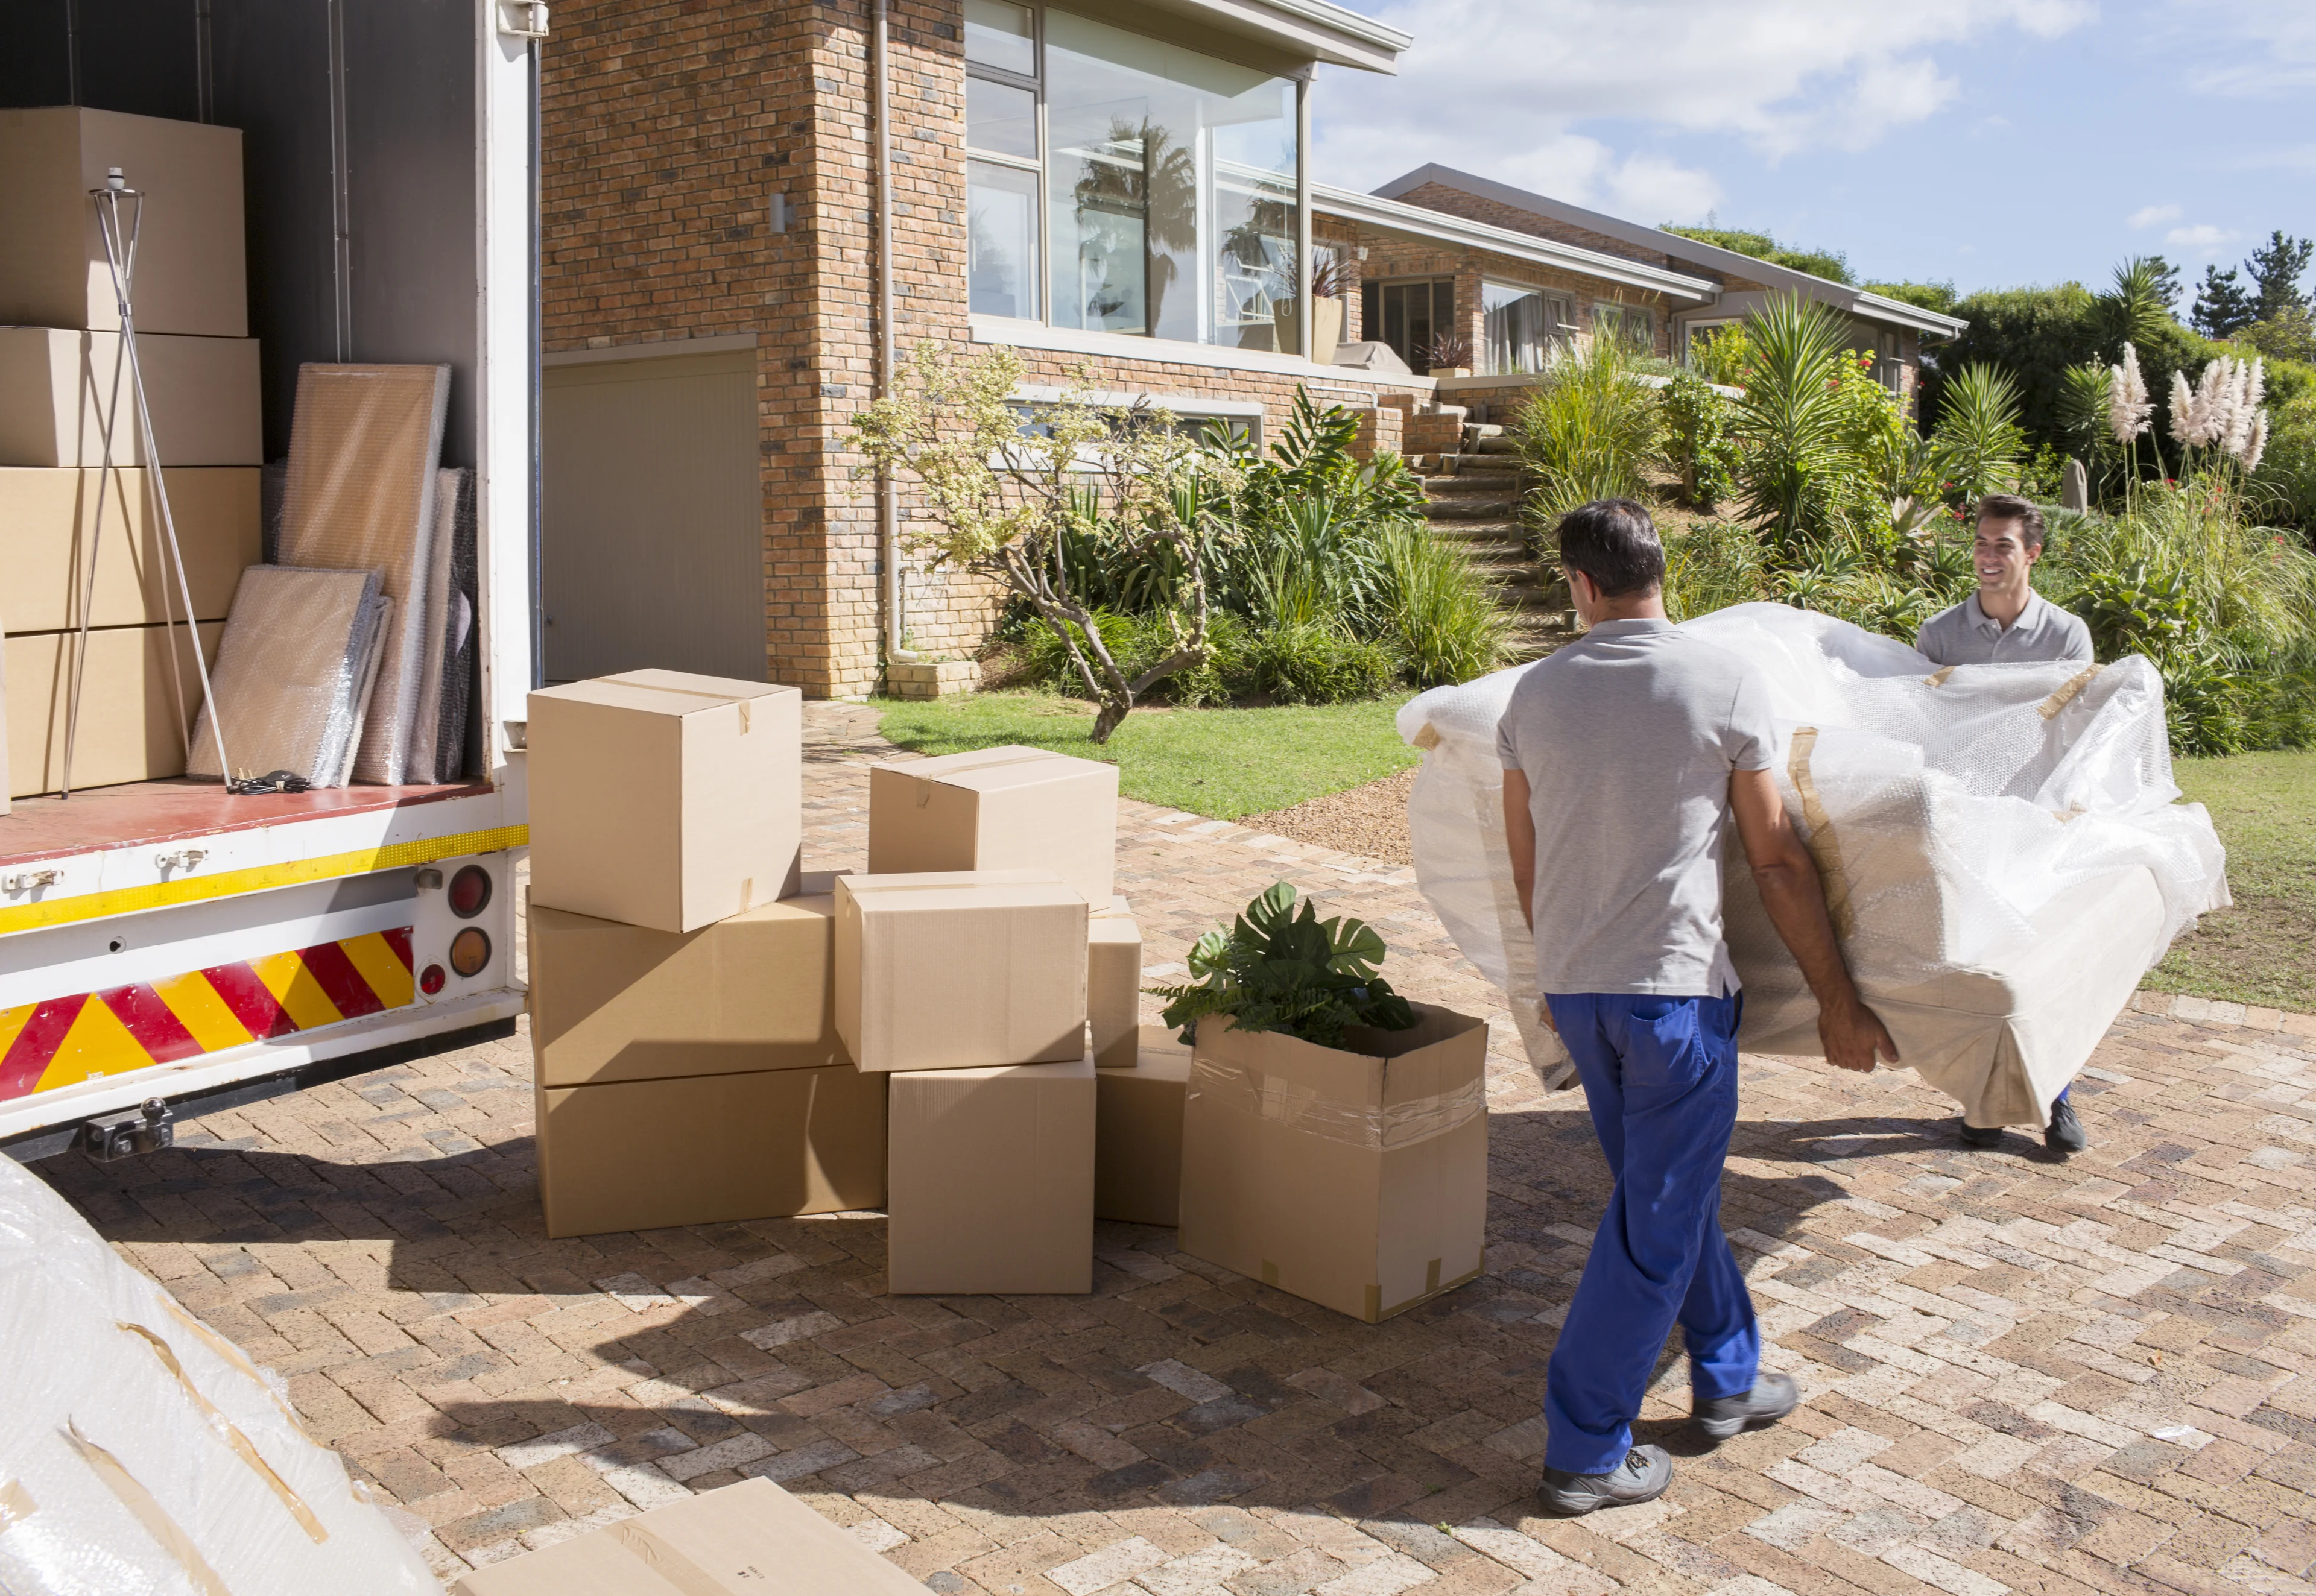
(1857, 301)
(1309, 30)
(1414, 219)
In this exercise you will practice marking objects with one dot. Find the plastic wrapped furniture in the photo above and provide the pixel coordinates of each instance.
(294, 673)
(141, 1454)
(2003, 853)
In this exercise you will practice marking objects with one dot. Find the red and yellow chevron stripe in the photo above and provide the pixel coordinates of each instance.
(69, 1040)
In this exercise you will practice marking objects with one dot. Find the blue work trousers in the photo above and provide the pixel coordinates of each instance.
(1659, 1074)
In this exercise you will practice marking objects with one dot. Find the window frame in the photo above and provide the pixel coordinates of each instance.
(1036, 84)
(1372, 328)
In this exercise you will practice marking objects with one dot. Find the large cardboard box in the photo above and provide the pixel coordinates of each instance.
(1355, 1178)
(992, 1180)
(129, 727)
(1008, 808)
(1113, 986)
(48, 522)
(1137, 1157)
(190, 270)
(748, 1540)
(57, 392)
(615, 1002)
(664, 799)
(705, 1149)
(959, 970)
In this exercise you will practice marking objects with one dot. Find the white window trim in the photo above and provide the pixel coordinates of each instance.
(1012, 333)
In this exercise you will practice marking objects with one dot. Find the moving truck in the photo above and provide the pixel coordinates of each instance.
(166, 948)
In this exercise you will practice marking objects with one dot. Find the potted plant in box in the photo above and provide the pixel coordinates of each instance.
(1334, 1135)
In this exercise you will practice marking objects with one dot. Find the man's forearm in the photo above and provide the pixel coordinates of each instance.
(1795, 900)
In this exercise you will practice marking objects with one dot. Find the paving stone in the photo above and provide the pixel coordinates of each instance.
(2021, 1373)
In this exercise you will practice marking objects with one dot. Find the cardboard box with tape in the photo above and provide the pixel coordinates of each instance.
(1138, 1159)
(1011, 808)
(1356, 1177)
(709, 1148)
(992, 1180)
(58, 397)
(748, 1539)
(1113, 986)
(130, 728)
(614, 1002)
(959, 970)
(664, 798)
(49, 522)
(191, 272)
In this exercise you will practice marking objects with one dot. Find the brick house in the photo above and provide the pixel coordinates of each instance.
(1118, 191)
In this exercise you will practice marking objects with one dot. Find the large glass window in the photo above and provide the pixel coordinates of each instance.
(1168, 177)
(1633, 325)
(1409, 317)
(1521, 324)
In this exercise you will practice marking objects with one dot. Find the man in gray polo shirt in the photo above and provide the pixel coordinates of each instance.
(1625, 755)
(2008, 623)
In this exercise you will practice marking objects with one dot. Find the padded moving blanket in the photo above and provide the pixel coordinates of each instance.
(2002, 849)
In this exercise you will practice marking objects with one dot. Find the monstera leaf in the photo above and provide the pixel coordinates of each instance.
(1281, 968)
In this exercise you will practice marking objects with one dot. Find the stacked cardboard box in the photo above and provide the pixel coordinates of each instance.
(64, 386)
(686, 1060)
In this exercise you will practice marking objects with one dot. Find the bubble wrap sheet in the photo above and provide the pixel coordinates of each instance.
(2003, 854)
(141, 1454)
(360, 496)
(288, 682)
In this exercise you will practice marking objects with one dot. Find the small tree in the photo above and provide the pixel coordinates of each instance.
(1004, 481)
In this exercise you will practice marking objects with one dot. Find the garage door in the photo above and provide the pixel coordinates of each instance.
(652, 535)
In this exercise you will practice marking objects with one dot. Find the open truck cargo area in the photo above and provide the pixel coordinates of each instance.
(360, 178)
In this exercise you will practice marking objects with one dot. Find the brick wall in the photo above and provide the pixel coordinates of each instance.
(667, 125)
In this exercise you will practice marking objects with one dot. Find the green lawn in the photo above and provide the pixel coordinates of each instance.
(2263, 950)
(1225, 763)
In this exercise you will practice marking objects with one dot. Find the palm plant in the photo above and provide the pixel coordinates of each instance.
(1790, 421)
(1978, 437)
(1587, 432)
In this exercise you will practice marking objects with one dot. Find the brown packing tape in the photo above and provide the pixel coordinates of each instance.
(926, 784)
(1824, 847)
(668, 1562)
(16, 1505)
(1428, 739)
(1432, 1287)
(1304, 1111)
(227, 1432)
(1938, 678)
(2065, 695)
(131, 1493)
(739, 704)
(232, 1354)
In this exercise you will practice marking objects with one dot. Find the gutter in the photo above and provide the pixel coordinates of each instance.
(1422, 222)
(888, 505)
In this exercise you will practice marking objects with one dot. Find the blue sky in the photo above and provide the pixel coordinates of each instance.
(1991, 142)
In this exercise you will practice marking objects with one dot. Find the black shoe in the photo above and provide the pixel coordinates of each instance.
(2066, 1133)
(1978, 1136)
(1772, 1398)
(1642, 1476)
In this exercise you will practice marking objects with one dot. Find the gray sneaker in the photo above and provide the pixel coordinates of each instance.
(2066, 1133)
(1772, 1398)
(1642, 1476)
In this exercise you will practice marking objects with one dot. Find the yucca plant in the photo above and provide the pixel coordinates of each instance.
(1978, 437)
(1790, 421)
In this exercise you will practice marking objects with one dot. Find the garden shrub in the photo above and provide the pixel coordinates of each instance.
(1310, 662)
(1587, 431)
(1444, 618)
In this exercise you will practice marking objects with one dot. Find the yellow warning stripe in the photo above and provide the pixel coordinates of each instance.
(228, 883)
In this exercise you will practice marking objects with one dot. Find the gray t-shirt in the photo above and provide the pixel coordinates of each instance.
(1967, 635)
(1627, 737)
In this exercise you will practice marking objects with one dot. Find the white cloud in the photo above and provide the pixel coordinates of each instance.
(2251, 47)
(1501, 88)
(2203, 238)
(2147, 216)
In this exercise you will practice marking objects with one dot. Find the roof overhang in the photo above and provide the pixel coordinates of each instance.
(1374, 211)
(1880, 307)
(1311, 30)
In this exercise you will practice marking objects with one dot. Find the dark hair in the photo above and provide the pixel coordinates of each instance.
(2010, 507)
(1613, 542)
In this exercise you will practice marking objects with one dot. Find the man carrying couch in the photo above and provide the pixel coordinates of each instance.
(2008, 623)
(1624, 754)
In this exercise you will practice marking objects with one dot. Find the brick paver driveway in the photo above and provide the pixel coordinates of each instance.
(2022, 1373)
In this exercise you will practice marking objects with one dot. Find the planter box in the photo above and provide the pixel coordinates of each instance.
(931, 679)
(1356, 1178)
